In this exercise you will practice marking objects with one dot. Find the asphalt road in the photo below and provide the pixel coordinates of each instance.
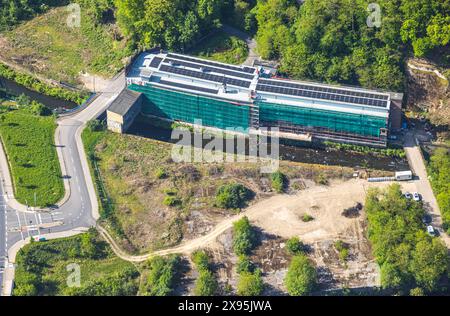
(80, 209)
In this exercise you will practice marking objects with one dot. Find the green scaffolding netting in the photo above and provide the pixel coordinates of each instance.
(334, 121)
(188, 108)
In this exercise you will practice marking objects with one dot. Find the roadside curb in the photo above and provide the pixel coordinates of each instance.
(12, 254)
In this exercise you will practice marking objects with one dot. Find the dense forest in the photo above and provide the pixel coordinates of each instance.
(324, 40)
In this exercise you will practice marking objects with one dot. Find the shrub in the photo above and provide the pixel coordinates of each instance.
(39, 109)
(244, 265)
(417, 292)
(343, 250)
(301, 278)
(206, 284)
(250, 284)
(201, 260)
(244, 237)
(294, 246)
(171, 200)
(160, 174)
(279, 182)
(307, 218)
(95, 125)
(232, 196)
(162, 276)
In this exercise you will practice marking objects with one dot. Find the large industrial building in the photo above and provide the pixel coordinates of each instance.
(187, 89)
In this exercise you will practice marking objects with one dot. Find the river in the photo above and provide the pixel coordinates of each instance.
(52, 103)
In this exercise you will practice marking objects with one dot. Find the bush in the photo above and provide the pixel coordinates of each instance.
(95, 125)
(294, 246)
(279, 182)
(160, 174)
(206, 284)
(244, 265)
(307, 218)
(232, 196)
(250, 284)
(301, 278)
(244, 237)
(342, 249)
(172, 201)
(201, 260)
(161, 278)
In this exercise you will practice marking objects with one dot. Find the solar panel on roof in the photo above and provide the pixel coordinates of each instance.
(209, 77)
(210, 63)
(320, 95)
(324, 89)
(210, 69)
(156, 62)
(187, 87)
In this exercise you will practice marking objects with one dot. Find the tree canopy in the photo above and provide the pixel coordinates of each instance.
(408, 257)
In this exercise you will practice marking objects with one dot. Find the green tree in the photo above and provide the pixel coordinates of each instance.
(250, 284)
(244, 237)
(206, 284)
(301, 278)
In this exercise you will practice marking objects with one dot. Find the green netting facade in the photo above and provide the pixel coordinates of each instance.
(272, 114)
(186, 107)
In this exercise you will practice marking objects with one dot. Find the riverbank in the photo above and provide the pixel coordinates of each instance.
(34, 84)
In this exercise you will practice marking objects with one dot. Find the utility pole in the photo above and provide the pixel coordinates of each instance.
(35, 199)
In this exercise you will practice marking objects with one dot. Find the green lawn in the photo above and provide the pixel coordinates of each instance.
(223, 48)
(29, 144)
(42, 268)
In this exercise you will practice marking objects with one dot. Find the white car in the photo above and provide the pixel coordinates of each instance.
(416, 197)
(408, 195)
(431, 231)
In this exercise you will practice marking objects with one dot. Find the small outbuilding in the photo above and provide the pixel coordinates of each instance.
(123, 110)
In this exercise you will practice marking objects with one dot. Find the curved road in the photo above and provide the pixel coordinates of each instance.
(79, 209)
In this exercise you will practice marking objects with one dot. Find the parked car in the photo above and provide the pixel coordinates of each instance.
(431, 231)
(407, 195)
(417, 197)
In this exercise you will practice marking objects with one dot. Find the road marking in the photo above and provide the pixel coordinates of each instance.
(37, 222)
(20, 225)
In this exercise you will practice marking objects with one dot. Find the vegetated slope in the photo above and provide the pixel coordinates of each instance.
(50, 47)
(330, 40)
(222, 47)
(427, 93)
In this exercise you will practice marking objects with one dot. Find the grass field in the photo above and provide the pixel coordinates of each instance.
(47, 46)
(223, 48)
(29, 144)
(42, 268)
